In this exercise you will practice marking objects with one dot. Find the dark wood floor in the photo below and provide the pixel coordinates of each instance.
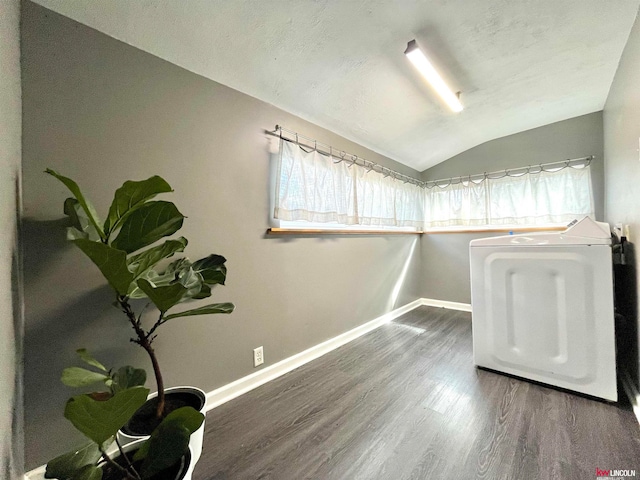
(405, 402)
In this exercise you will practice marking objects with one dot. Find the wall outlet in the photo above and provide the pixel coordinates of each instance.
(258, 356)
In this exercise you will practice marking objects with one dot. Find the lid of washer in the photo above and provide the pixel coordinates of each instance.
(583, 232)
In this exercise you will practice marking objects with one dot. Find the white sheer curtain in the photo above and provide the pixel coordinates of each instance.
(459, 204)
(313, 187)
(318, 188)
(530, 199)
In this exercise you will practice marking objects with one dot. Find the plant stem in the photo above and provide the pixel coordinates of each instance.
(116, 466)
(144, 341)
(124, 455)
(156, 325)
(156, 370)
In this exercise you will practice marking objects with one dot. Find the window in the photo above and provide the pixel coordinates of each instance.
(315, 190)
(318, 188)
(541, 197)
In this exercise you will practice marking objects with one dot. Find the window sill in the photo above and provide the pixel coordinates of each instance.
(327, 231)
(323, 231)
(498, 230)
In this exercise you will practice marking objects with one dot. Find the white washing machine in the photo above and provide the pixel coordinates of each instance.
(542, 307)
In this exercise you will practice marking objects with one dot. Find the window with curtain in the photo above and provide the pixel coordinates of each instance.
(320, 188)
(323, 189)
(542, 197)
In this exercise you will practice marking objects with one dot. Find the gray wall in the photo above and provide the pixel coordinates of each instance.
(445, 256)
(103, 112)
(11, 443)
(622, 168)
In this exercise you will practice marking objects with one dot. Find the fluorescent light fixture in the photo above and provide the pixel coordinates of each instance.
(422, 63)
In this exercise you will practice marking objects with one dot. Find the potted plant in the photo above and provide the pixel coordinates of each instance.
(98, 415)
(126, 249)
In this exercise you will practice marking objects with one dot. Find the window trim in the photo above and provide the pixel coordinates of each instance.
(301, 227)
(328, 231)
(497, 229)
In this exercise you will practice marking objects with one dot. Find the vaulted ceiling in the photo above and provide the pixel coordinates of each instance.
(519, 64)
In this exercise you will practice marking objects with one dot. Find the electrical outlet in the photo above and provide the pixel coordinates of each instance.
(258, 356)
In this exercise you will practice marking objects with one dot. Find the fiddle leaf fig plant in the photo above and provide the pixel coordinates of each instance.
(125, 249)
(99, 416)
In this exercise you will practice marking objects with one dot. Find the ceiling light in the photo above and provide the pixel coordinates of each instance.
(422, 63)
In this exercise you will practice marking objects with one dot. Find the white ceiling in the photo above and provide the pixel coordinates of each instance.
(520, 64)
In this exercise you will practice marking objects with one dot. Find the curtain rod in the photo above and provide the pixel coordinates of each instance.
(476, 177)
(342, 155)
(512, 172)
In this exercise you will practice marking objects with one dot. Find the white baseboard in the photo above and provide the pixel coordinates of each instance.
(464, 307)
(632, 392)
(245, 384)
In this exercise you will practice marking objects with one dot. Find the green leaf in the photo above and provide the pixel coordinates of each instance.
(135, 292)
(65, 466)
(101, 420)
(170, 274)
(189, 417)
(72, 210)
(111, 262)
(84, 203)
(190, 280)
(212, 269)
(180, 271)
(155, 279)
(81, 377)
(205, 292)
(81, 226)
(140, 263)
(132, 195)
(89, 360)
(165, 450)
(75, 234)
(89, 472)
(169, 441)
(128, 377)
(142, 452)
(163, 297)
(147, 225)
(206, 310)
